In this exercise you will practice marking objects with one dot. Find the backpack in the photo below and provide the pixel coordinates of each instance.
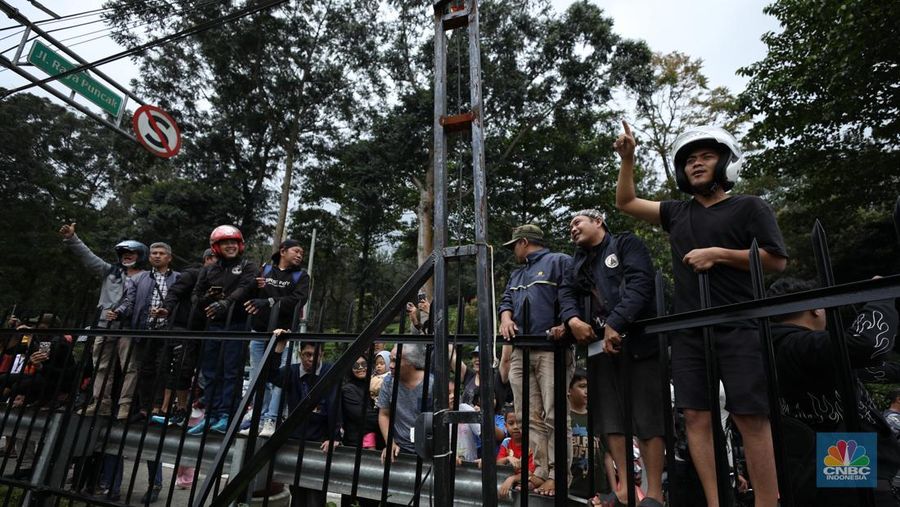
(296, 275)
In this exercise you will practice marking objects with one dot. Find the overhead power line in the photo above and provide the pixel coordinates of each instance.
(199, 28)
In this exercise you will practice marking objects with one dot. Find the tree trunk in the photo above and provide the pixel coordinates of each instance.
(363, 280)
(286, 185)
(425, 214)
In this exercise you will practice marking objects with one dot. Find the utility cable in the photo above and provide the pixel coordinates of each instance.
(71, 17)
(135, 24)
(67, 17)
(199, 28)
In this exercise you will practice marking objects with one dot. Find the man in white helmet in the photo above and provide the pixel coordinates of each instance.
(712, 232)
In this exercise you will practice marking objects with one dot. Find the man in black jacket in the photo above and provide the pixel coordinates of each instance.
(181, 356)
(615, 273)
(282, 284)
(805, 361)
(221, 291)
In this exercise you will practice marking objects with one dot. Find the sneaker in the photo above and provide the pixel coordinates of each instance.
(89, 410)
(198, 428)
(177, 419)
(159, 419)
(124, 411)
(244, 431)
(151, 496)
(221, 426)
(185, 478)
(268, 428)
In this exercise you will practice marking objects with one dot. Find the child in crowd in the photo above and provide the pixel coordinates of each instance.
(578, 417)
(510, 453)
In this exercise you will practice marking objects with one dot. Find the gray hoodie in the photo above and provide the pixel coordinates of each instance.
(117, 290)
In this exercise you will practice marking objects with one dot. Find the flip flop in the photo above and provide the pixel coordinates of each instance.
(607, 500)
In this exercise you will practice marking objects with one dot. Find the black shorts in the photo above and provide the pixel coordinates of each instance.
(646, 395)
(741, 369)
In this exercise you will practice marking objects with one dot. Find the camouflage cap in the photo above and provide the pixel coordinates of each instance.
(527, 231)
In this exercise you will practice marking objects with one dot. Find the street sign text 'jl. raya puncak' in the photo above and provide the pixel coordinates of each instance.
(52, 63)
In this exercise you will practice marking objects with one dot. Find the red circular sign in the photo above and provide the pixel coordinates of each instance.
(157, 131)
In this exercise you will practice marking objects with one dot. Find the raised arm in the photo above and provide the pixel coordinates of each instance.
(84, 254)
(626, 197)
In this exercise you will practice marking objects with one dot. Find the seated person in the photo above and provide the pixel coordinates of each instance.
(510, 453)
(809, 390)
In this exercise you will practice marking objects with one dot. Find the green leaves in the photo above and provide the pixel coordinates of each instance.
(826, 99)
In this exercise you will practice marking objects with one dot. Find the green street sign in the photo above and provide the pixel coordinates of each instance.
(52, 63)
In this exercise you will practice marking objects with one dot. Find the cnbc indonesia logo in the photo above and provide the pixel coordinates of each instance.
(845, 461)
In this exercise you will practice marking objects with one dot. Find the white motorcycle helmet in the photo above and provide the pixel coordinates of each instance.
(731, 157)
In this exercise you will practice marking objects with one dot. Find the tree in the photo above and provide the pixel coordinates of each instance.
(287, 79)
(58, 167)
(826, 99)
(680, 98)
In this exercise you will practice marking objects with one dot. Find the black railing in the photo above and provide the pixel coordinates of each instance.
(80, 449)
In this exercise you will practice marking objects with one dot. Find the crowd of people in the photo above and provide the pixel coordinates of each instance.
(596, 294)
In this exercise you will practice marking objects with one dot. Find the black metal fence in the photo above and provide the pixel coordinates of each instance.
(63, 448)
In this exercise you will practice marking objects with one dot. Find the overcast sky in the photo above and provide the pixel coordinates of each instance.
(725, 34)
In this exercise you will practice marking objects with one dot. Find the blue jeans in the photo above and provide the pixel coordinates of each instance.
(272, 398)
(111, 473)
(222, 377)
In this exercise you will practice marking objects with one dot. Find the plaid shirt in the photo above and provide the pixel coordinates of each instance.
(157, 296)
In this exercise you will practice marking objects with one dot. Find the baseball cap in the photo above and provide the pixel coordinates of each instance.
(527, 231)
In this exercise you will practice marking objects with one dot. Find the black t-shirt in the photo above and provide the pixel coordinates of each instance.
(732, 224)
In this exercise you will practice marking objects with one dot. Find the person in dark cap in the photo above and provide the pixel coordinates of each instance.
(529, 306)
(609, 286)
(282, 283)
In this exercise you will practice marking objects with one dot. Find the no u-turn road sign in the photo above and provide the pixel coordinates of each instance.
(157, 131)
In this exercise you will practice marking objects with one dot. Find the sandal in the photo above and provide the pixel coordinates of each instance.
(607, 500)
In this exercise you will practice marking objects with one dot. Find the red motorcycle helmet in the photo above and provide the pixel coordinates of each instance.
(224, 232)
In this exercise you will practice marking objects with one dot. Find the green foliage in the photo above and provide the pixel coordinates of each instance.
(826, 99)
(56, 168)
(881, 394)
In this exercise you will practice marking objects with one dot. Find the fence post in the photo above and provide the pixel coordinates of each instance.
(712, 380)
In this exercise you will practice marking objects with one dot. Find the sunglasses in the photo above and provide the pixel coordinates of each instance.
(359, 366)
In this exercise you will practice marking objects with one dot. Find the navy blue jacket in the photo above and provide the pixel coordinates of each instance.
(537, 282)
(619, 257)
(325, 421)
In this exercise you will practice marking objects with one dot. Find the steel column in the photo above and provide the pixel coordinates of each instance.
(785, 486)
(712, 381)
(482, 260)
(839, 348)
(444, 459)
